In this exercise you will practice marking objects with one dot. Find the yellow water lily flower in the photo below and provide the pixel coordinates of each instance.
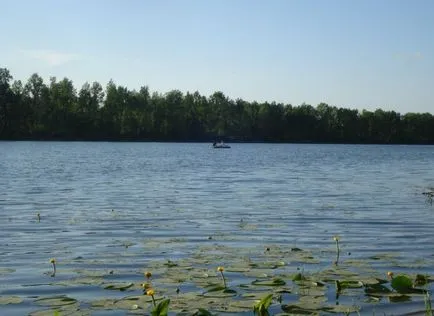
(220, 269)
(146, 286)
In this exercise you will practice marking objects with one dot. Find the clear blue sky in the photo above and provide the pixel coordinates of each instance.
(349, 53)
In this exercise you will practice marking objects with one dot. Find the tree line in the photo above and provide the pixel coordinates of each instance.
(57, 111)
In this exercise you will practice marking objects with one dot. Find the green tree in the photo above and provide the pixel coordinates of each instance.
(6, 102)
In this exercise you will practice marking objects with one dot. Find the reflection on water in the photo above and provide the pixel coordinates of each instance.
(102, 204)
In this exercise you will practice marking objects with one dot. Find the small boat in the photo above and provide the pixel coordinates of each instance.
(220, 145)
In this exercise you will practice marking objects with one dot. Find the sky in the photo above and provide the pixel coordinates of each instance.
(360, 54)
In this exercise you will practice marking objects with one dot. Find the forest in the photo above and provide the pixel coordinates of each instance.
(56, 110)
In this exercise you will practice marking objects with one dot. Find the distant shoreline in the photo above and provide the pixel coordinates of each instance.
(204, 142)
(57, 111)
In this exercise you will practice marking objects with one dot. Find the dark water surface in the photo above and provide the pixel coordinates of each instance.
(297, 195)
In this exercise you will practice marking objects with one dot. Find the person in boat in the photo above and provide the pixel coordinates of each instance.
(214, 143)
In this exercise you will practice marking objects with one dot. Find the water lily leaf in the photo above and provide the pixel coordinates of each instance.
(56, 301)
(5, 271)
(337, 272)
(382, 281)
(5, 300)
(349, 284)
(261, 307)
(173, 280)
(237, 268)
(203, 312)
(119, 286)
(93, 273)
(221, 293)
(127, 303)
(253, 296)
(344, 309)
(384, 256)
(259, 273)
(298, 277)
(283, 290)
(273, 282)
(318, 283)
(162, 308)
(421, 280)
(62, 311)
(266, 265)
(313, 300)
(298, 310)
(308, 308)
(84, 280)
(376, 289)
(229, 291)
(311, 291)
(402, 284)
(216, 288)
(399, 298)
(170, 264)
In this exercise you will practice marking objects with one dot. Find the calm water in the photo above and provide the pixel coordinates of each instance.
(299, 195)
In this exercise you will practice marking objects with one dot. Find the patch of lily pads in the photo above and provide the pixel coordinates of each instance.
(273, 278)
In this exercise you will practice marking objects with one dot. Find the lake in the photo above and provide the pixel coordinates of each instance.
(110, 211)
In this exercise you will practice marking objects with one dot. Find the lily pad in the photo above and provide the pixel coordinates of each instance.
(118, 286)
(265, 265)
(376, 289)
(63, 310)
(421, 280)
(203, 312)
(220, 293)
(298, 277)
(349, 284)
(272, 282)
(5, 300)
(83, 280)
(126, 303)
(313, 299)
(55, 301)
(298, 310)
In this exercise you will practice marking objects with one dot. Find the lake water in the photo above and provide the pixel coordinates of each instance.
(120, 207)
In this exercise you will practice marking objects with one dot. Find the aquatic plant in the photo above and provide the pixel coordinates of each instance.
(421, 280)
(53, 262)
(221, 269)
(148, 275)
(403, 284)
(151, 293)
(162, 309)
(428, 307)
(203, 312)
(261, 307)
(306, 290)
(336, 239)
